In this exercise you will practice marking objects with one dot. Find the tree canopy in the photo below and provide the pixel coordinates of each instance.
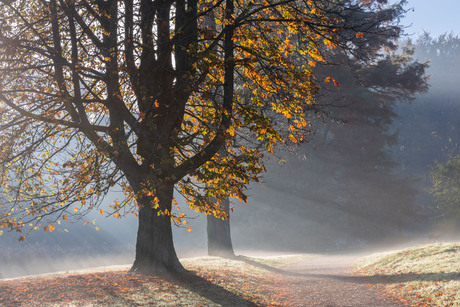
(140, 95)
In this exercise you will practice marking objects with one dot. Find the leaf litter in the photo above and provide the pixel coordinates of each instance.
(212, 281)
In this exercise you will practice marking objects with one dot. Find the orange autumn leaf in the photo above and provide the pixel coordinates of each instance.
(49, 228)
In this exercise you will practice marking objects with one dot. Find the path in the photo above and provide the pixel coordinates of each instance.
(328, 281)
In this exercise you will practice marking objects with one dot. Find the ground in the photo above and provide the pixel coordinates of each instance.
(296, 280)
(328, 281)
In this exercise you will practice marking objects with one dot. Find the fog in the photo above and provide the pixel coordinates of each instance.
(320, 198)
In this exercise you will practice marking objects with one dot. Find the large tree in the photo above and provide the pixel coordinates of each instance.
(139, 95)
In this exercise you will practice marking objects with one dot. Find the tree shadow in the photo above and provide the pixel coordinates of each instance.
(401, 278)
(206, 289)
(358, 279)
(259, 265)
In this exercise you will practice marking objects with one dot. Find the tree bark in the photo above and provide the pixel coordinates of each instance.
(219, 237)
(155, 251)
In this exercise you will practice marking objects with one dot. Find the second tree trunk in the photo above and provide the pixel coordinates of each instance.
(219, 238)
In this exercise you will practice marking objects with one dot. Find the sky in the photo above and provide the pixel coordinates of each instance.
(436, 17)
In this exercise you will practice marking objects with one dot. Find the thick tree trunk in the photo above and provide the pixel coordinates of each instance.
(155, 251)
(219, 238)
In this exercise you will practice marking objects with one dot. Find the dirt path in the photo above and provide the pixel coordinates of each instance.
(328, 281)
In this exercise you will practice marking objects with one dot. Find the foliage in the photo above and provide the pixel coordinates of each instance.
(446, 186)
(127, 94)
(140, 95)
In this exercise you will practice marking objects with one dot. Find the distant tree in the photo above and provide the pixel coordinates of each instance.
(101, 94)
(446, 186)
(356, 105)
(355, 150)
(348, 167)
(218, 233)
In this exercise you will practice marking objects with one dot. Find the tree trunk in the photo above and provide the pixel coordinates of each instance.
(219, 238)
(155, 251)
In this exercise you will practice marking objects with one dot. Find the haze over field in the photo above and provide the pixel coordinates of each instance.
(325, 196)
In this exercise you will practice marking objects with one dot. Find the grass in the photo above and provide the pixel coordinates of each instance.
(214, 281)
(426, 275)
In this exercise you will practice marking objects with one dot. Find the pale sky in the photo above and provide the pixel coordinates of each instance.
(433, 16)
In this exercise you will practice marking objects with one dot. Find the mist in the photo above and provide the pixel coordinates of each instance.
(325, 196)
(343, 192)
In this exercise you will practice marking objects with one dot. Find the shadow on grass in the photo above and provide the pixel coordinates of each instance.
(206, 289)
(401, 278)
(259, 265)
(357, 279)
